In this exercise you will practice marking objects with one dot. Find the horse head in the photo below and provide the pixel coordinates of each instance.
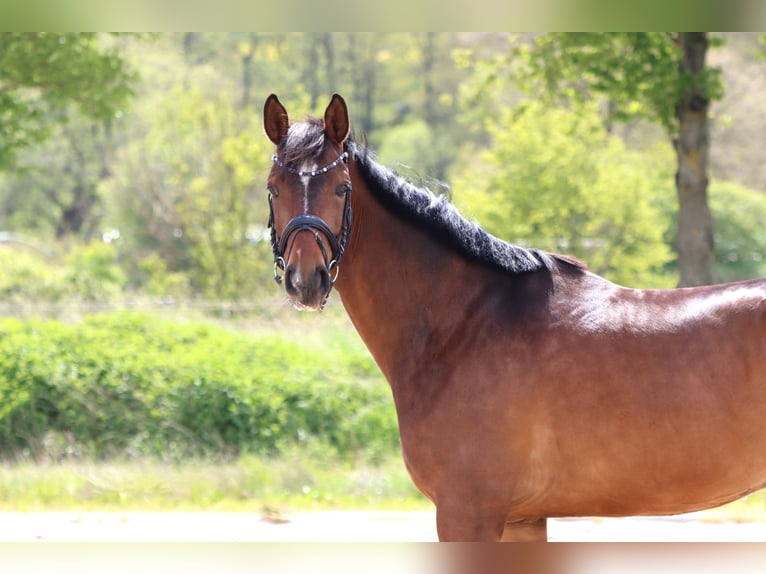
(310, 200)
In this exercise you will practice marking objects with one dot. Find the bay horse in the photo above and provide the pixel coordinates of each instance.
(525, 386)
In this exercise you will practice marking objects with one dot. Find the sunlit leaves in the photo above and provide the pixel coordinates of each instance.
(638, 72)
(207, 163)
(553, 178)
(42, 72)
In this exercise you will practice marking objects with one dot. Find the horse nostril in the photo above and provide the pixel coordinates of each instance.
(290, 280)
(323, 277)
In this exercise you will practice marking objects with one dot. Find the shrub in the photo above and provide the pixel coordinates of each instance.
(132, 385)
(26, 275)
(93, 273)
(87, 273)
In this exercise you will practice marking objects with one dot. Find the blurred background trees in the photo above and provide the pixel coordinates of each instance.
(661, 77)
(145, 154)
(43, 74)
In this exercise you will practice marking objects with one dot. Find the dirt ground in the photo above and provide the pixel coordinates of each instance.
(341, 526)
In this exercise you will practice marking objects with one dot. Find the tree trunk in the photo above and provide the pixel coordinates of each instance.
(362, 51)
(247, 69)
(429, 91)
(189, 40)
(311, 68)
(329, 50)
(695, 222)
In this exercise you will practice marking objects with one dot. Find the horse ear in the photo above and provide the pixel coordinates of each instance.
(336, 124)
(275, 120)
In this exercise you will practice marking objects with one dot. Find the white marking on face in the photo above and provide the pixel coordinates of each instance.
(306, 166)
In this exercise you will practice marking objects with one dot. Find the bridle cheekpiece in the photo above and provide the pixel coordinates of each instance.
(314, 224)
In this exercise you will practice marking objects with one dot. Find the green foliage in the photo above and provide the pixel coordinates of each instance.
(25, 276)
(661, 77)
(180, 173)
(202, 168)
(740, 244)
(131, 385)
(54, 190)
(637, 72)
(417, 150)
(93, 273)
(87, 273)
(42, 72)
(555, 179)
(740, 238)
(411, 145)
(156, 279)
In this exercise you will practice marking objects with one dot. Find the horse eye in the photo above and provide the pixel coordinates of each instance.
(272, 189)
(342, 189)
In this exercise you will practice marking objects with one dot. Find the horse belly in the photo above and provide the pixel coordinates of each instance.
(670, 427)
(670, 484)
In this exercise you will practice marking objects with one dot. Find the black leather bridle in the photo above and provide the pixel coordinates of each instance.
(314, 224)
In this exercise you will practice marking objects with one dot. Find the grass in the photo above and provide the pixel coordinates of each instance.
(301, 480)
(298, 481)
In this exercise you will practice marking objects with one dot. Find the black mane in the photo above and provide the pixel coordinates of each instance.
(420, 207)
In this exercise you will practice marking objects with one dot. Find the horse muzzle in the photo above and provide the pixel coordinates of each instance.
(308, 280)
(308, 286)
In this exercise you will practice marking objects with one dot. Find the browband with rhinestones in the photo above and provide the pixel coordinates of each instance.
(313, 172)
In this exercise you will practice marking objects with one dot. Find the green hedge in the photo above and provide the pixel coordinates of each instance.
(133, 385)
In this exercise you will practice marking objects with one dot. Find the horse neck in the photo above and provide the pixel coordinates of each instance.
(405, 292)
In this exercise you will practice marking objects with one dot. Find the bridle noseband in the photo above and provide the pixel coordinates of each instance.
(314, 224)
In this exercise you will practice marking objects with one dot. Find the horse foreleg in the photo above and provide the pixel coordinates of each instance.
(526, 531)
(461, 524)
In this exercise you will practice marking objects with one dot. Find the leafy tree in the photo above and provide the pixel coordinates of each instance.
(555, 179)
(191, 191)
(658, 76)
(41, 73)
(54, 192)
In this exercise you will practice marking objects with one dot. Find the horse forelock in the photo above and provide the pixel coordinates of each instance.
(304, 141)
